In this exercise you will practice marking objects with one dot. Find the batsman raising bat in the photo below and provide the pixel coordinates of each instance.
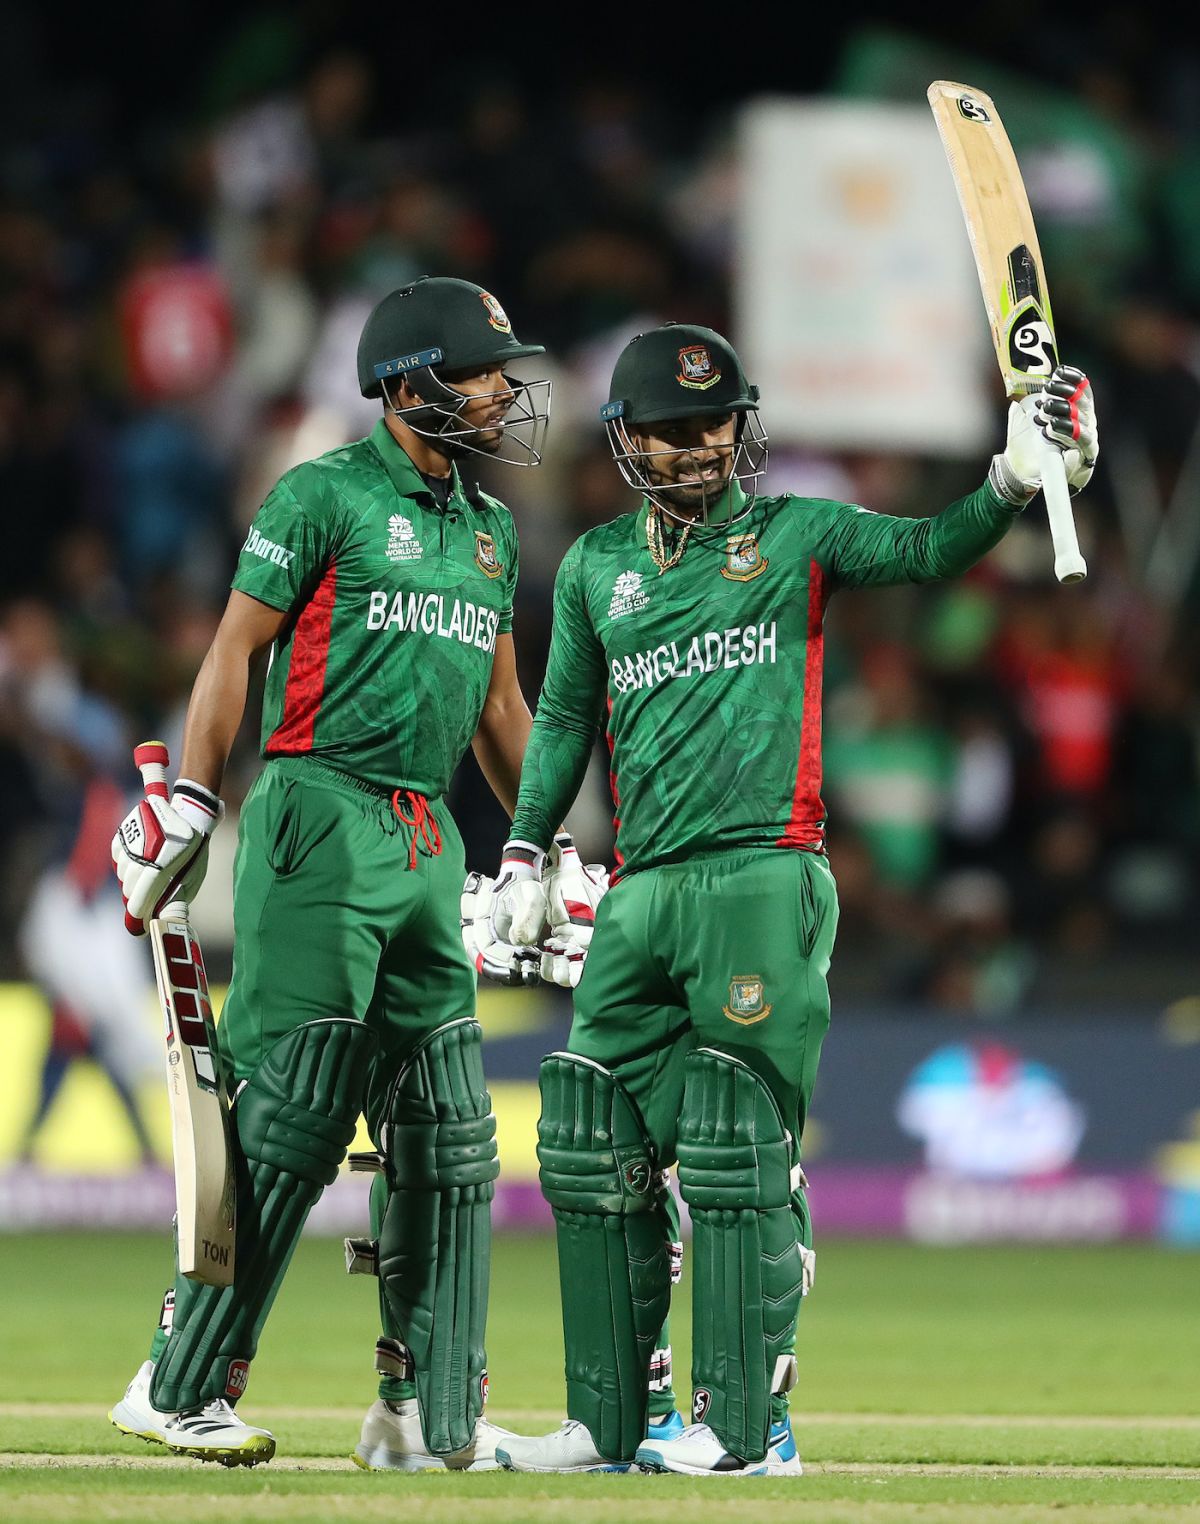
(691, 630)
(383, 580)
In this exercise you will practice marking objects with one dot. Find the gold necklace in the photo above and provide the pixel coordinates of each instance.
(655, 541)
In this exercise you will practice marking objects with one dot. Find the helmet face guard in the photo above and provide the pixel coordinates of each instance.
(749, 452)
(438, 417)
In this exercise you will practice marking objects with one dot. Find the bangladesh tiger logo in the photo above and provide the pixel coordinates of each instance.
(743, 559)
(696, 368)
(485, 555)
(746, 1000)
(497, 316)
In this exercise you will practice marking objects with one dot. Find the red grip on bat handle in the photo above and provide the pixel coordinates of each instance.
(152, 761)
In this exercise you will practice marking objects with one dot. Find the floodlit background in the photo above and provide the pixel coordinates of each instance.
(191, 235)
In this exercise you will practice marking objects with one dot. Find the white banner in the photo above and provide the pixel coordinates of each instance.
(858, 307)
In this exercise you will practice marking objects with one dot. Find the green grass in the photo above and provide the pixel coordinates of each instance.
(1062, 1383)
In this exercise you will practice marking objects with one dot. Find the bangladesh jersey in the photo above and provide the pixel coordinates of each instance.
(708, 676)
(395, 606)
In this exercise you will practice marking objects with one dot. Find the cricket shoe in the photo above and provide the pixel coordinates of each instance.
(697, 1451)
(665, 1426)
(569, 1448)
(213, 1432)
(391, 1440)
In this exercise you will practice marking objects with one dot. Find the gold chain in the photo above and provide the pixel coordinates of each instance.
(655, 543)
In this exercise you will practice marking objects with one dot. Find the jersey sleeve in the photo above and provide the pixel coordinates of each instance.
(286, 551)
(864, 549)
(568, 713)
(512, 571)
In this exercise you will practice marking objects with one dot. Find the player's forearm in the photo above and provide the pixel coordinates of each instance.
(214, 714)
(875, 550)
(499, 746)
(963, 533)
(556, 760)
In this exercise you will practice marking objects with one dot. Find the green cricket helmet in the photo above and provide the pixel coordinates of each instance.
(674, 373)
(440, 324)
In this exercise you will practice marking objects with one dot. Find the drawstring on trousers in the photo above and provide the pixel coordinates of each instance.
(421, 821)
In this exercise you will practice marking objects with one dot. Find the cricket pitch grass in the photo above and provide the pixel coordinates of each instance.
(959, 1385)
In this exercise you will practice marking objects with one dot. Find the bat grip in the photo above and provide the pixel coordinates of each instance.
(152, 761)
(1069, 565)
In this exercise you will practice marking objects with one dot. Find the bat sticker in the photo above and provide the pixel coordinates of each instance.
(1031, 342)
(972, 110)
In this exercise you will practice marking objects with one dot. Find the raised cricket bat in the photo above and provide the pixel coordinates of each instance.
(1004, 240)
(204, 1181)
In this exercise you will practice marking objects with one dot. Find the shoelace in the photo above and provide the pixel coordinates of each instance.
(424, 826)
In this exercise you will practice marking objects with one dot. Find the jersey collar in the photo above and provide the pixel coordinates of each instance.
(406, 479)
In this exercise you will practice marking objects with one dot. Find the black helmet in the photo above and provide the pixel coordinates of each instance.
(437, 324)
(678, 371)
(683, 371)
(465, 324)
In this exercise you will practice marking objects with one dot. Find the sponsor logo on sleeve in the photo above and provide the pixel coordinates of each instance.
(258, 545)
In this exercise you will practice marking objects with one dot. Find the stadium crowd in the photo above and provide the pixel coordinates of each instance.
(1011, 770)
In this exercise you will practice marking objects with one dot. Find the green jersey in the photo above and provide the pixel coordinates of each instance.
(710, 673)
(395, 603)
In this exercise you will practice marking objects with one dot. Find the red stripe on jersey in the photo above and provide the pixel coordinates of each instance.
(305, 690)
(804, 826)
(616, 799)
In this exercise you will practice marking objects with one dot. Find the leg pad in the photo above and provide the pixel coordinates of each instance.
(735, 1173)
(440, 1164)
(598, 1174)
(293, 1120)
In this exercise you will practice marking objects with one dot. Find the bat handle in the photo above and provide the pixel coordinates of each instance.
(1069, 565)
(152, 760)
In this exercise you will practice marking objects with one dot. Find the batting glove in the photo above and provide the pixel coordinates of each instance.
(1063, 413)
(518, 908)
(160, 851)
(573, 892)
(500, 961)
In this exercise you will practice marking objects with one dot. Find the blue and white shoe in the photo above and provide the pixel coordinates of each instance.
(668, 1426)
(696, 1451)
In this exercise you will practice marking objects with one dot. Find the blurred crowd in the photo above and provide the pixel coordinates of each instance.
(1011, 768)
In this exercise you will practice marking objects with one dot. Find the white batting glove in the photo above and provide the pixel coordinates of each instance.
(518, 908)
(1065, 414)
(573, 892)
(160, 850)
(500, 961)
(562, 961)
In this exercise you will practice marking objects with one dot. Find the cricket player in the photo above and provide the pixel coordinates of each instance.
(693, 625)
(381, 579)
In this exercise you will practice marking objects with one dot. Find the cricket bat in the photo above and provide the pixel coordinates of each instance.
(200, 1141)
(1009, 261)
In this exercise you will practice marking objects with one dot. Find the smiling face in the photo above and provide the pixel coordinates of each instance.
(687, 461)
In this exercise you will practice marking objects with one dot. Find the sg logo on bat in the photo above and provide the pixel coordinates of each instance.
(1031, 347)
